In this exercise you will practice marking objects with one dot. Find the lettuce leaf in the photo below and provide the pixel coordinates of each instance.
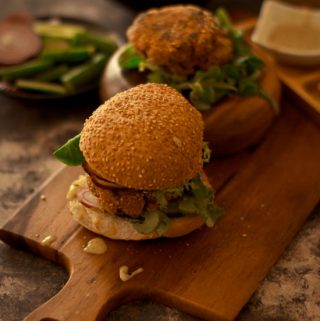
(200, 201)
(70, 152)
(206, 152)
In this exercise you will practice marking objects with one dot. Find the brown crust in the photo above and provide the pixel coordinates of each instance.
(180, 38)
(148, 137)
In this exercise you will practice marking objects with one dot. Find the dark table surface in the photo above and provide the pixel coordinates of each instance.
(30, 131)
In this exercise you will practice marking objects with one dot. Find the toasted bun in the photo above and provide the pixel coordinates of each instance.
(240, 122)
(232, 125)
(115, 227)
(148, 137)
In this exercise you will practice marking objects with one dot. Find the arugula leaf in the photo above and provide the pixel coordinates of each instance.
(212, 214)
(200, 201)
(236, 35)
(161, 199)
(248, 87)
(70, 152)
(129, 59)
(193, 197)
(206, 152)
(274, 104)
(224, 19)
(250, 62)
(164, 224)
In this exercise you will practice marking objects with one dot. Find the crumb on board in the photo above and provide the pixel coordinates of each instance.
(43, 197)
(48, 240)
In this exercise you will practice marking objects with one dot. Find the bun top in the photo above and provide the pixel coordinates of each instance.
(148, 137)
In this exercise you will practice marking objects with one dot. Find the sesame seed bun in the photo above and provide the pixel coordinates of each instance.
(148, 137)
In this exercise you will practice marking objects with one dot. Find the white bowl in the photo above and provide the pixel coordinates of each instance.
(290, 33)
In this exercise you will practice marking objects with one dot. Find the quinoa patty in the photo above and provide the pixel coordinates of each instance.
(181, 39)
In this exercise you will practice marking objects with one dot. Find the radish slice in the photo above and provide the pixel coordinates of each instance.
(88, 199)
(17, 43)
(20, 17)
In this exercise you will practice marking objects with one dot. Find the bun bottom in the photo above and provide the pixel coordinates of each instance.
(116, 228)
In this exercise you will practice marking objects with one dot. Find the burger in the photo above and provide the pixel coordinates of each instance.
(206, 59)
(142, 152)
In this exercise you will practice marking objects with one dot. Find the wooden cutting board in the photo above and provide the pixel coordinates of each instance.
(267, 194)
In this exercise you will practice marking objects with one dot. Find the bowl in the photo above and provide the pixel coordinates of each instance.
(9, 88)
(290, 33)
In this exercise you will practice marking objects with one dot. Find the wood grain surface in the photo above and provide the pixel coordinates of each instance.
(304, 84)
(211, 273)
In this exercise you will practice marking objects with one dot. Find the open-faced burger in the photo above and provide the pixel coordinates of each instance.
(206, 59)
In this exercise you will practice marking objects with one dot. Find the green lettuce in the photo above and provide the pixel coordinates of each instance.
(191, 198)
(206, 152)
(70, 152)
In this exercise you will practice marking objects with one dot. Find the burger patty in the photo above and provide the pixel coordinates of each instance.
(122, 200)
(181, 39)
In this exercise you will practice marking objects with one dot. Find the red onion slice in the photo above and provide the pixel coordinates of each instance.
(99, 181)
(88, 199)
(104, 183)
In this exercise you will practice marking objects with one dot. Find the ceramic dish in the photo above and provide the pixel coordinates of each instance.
(290, 33)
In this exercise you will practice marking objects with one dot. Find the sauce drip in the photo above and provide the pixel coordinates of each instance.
(125, 275)
(96, 246)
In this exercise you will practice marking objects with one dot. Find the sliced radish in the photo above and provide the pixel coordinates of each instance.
(17, 43)
(20, 17)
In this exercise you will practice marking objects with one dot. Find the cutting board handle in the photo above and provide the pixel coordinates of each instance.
(63, 306)
(71, 305)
